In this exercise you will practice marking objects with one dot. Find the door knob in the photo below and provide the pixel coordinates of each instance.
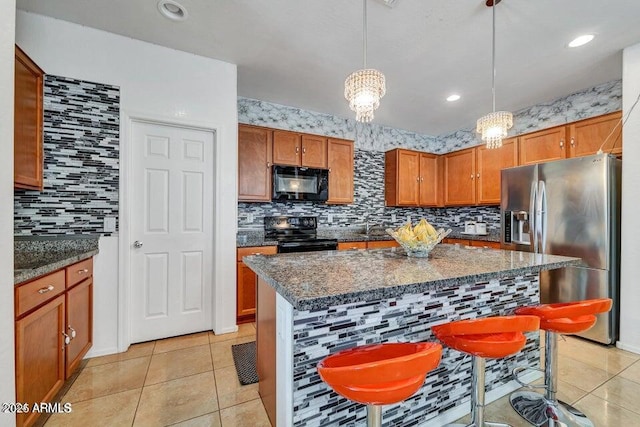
(137, 244)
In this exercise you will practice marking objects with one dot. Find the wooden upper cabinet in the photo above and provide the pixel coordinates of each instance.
(489, 163)
(286, 148)
(460, 178)
(587, 136)
(543, 146)
(254, 164)
(430, 179)
(28, 123)
(340, 162)
(314, 151)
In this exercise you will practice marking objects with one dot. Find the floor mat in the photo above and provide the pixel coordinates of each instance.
(244, 357)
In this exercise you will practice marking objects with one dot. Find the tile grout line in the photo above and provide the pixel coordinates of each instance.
(135, 413)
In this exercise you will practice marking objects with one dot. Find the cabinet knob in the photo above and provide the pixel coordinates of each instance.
(46, 289)
(573, 142)
(478, 175)
(297, 150)
(268, 165)
(562, 143)
(73, 332)
(471, 176)
(83, 271)
(304, 150)
(421, 179)
(418, 178)
(67, 339)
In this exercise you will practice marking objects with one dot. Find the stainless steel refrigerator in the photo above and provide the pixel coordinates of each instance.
(569, 207)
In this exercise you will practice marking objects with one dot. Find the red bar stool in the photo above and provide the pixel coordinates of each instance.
(492, 337)
(379, 374)
(561, 318)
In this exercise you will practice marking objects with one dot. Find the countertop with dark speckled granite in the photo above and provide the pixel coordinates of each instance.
(35, 256)
(323, 279)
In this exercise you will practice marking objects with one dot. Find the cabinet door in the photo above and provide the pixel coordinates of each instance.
(254, 164)
(286, 148)
(340, 162)
(314, 151)
(453, 241)
(27, 151)
(408, 178)
(489, 163)
(246, 293)
(587, 136)
(40, 356)
(348, 246)
(429, 182)
(543, 146)
(460, 178)
(79, 323)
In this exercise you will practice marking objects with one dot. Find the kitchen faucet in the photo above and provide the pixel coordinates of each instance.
(368, 225)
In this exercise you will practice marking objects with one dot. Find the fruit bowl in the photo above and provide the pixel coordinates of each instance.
(418, 241)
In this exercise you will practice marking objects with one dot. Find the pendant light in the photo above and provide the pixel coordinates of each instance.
(494, 126)
(364, 88)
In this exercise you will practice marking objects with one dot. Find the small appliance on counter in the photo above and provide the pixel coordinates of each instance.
(296, 234)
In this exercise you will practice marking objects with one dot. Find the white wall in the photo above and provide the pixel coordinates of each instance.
(7, 370)
(630, 268)
(157, 83)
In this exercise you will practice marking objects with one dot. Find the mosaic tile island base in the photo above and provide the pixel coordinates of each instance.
(324, 302)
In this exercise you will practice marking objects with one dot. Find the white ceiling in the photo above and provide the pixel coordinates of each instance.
(298, 52)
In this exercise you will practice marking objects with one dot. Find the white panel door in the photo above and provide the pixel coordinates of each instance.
(171, 231)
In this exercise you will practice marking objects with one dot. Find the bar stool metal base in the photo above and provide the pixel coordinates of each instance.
(374, 416)
(539, 411)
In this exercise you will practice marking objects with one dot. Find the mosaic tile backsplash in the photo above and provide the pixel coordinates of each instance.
(371, 140)
(81, 161)
(318, 333)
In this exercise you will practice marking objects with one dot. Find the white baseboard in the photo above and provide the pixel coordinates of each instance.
(463, 409)
(101, 352)
(229, 330)
(628, 347)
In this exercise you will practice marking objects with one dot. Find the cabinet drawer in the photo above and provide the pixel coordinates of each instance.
(382, 244)
(34, 293)
(79, 271)
(256, 250)
(346, 246)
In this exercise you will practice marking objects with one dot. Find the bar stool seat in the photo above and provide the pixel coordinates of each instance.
(492, 337)
(557, 318)
(380, 374)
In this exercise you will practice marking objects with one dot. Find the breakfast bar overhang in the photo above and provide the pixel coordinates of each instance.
(313, 304)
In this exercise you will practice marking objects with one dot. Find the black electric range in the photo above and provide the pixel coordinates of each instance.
(296, 234)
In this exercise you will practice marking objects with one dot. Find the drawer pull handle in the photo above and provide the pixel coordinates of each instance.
(46, 289)
(73, 332)
(67, 339)
(83, 271)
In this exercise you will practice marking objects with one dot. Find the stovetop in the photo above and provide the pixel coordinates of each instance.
(293, 230)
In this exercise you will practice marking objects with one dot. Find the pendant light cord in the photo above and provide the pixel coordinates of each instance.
(493, 56)
(364, 34)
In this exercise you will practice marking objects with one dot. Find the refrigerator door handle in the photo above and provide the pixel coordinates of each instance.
(541, 220)
(532, 219)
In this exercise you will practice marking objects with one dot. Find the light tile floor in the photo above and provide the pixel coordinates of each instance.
(191, 381)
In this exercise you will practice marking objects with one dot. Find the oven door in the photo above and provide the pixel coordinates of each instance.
(295, 183)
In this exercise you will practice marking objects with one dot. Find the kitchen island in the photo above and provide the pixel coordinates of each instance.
(313, 304)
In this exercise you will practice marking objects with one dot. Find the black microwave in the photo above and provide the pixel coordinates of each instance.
(300, 184)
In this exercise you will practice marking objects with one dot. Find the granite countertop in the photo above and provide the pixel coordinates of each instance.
(315, 280)
(37, 256)
(350, 234)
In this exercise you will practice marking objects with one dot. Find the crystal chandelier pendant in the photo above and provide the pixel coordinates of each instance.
(363, 89)
(493, 127)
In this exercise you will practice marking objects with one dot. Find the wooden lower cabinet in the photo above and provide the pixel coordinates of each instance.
(246, 283)
(380, 244)
(54, 331)
(79, 326)
(40, 356)
(474, 243)
(348, 246)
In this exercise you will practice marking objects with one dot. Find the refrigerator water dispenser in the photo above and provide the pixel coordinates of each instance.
(517, 228)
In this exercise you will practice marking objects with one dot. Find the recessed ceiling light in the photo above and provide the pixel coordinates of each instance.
(172, 10)
(453, 97)
(582, 40)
